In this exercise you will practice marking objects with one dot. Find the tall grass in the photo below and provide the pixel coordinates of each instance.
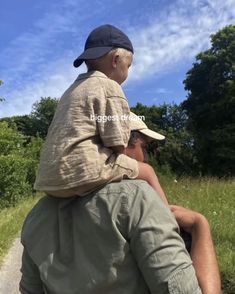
(11, 220)
(216, 200)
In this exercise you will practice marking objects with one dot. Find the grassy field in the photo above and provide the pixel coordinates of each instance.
(11, 220)
(214, 198)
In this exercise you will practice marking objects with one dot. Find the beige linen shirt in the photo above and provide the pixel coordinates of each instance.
(121, 240)
(91, 116)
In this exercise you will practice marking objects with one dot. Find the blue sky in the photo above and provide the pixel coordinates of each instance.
(40, 40)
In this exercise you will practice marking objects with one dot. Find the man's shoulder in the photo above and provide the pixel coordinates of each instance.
(43, 211)
(47, 207)
(129, 184)
(43, 204)
(36, 216)
(131, 188)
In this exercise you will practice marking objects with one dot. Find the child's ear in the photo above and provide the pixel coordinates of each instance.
(115, 58)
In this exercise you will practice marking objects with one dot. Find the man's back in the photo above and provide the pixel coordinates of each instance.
(122, 239)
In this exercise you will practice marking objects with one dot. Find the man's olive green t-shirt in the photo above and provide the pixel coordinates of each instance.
(122, 239)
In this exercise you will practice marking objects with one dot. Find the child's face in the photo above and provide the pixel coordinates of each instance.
(122, 67)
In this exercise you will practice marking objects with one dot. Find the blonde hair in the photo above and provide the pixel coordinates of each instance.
(95, 64)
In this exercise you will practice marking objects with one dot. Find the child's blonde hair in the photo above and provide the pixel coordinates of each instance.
(96, 64)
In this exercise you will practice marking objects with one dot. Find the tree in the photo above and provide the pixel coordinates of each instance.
(176, 152)
(210, 104)
(11, 141)
(42, 114)
(23, 123)
(38, 121)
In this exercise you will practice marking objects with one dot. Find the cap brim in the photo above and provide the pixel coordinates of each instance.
(91, 53)
(152, 134)
(137, 124)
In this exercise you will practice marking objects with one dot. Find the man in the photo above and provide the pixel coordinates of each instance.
(121, 239)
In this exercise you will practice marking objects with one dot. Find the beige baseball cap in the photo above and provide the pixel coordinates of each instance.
(137, 124)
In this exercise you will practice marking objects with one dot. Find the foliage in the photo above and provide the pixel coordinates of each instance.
(11, 141)
(33, 148)
(211, 104)
(20, 147)
(23, 123)
(14, 174)
(18, 163)
(32, 151)
(176, 152)
(42, 115)
(36, 123)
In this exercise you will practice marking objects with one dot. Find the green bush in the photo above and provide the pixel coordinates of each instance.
(18, 163)
(32, 150)
(15, 179)
(11, 141)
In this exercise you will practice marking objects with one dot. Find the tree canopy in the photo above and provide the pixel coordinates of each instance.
(38, 121)
(210, 104)
(42, 114)
(175, 154)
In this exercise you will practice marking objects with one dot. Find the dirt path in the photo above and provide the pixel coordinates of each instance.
(10, 271)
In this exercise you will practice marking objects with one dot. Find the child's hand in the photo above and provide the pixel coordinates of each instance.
(186, 218)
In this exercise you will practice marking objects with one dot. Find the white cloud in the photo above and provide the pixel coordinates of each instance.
(51, 83)
(177, 34)
(32, 68)
(162, 91)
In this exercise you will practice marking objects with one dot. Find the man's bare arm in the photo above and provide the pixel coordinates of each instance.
(202, 251)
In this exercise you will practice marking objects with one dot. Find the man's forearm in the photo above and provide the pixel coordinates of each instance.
(204, 257)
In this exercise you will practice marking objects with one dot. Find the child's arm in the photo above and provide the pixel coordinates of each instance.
(147, 173)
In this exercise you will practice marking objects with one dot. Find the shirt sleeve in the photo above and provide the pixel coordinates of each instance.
(30, 282)
(157, 246)
(112, 115)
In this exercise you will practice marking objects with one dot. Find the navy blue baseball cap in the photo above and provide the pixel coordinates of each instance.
(101, 40)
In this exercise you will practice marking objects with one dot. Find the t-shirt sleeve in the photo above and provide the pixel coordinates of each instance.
(157, 246)
(30, 282)
(112, 118)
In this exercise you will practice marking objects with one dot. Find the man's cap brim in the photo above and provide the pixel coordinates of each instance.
(92, 53)
(137, 124)
(152, 134)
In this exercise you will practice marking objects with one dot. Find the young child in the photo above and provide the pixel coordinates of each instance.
(85, 142)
